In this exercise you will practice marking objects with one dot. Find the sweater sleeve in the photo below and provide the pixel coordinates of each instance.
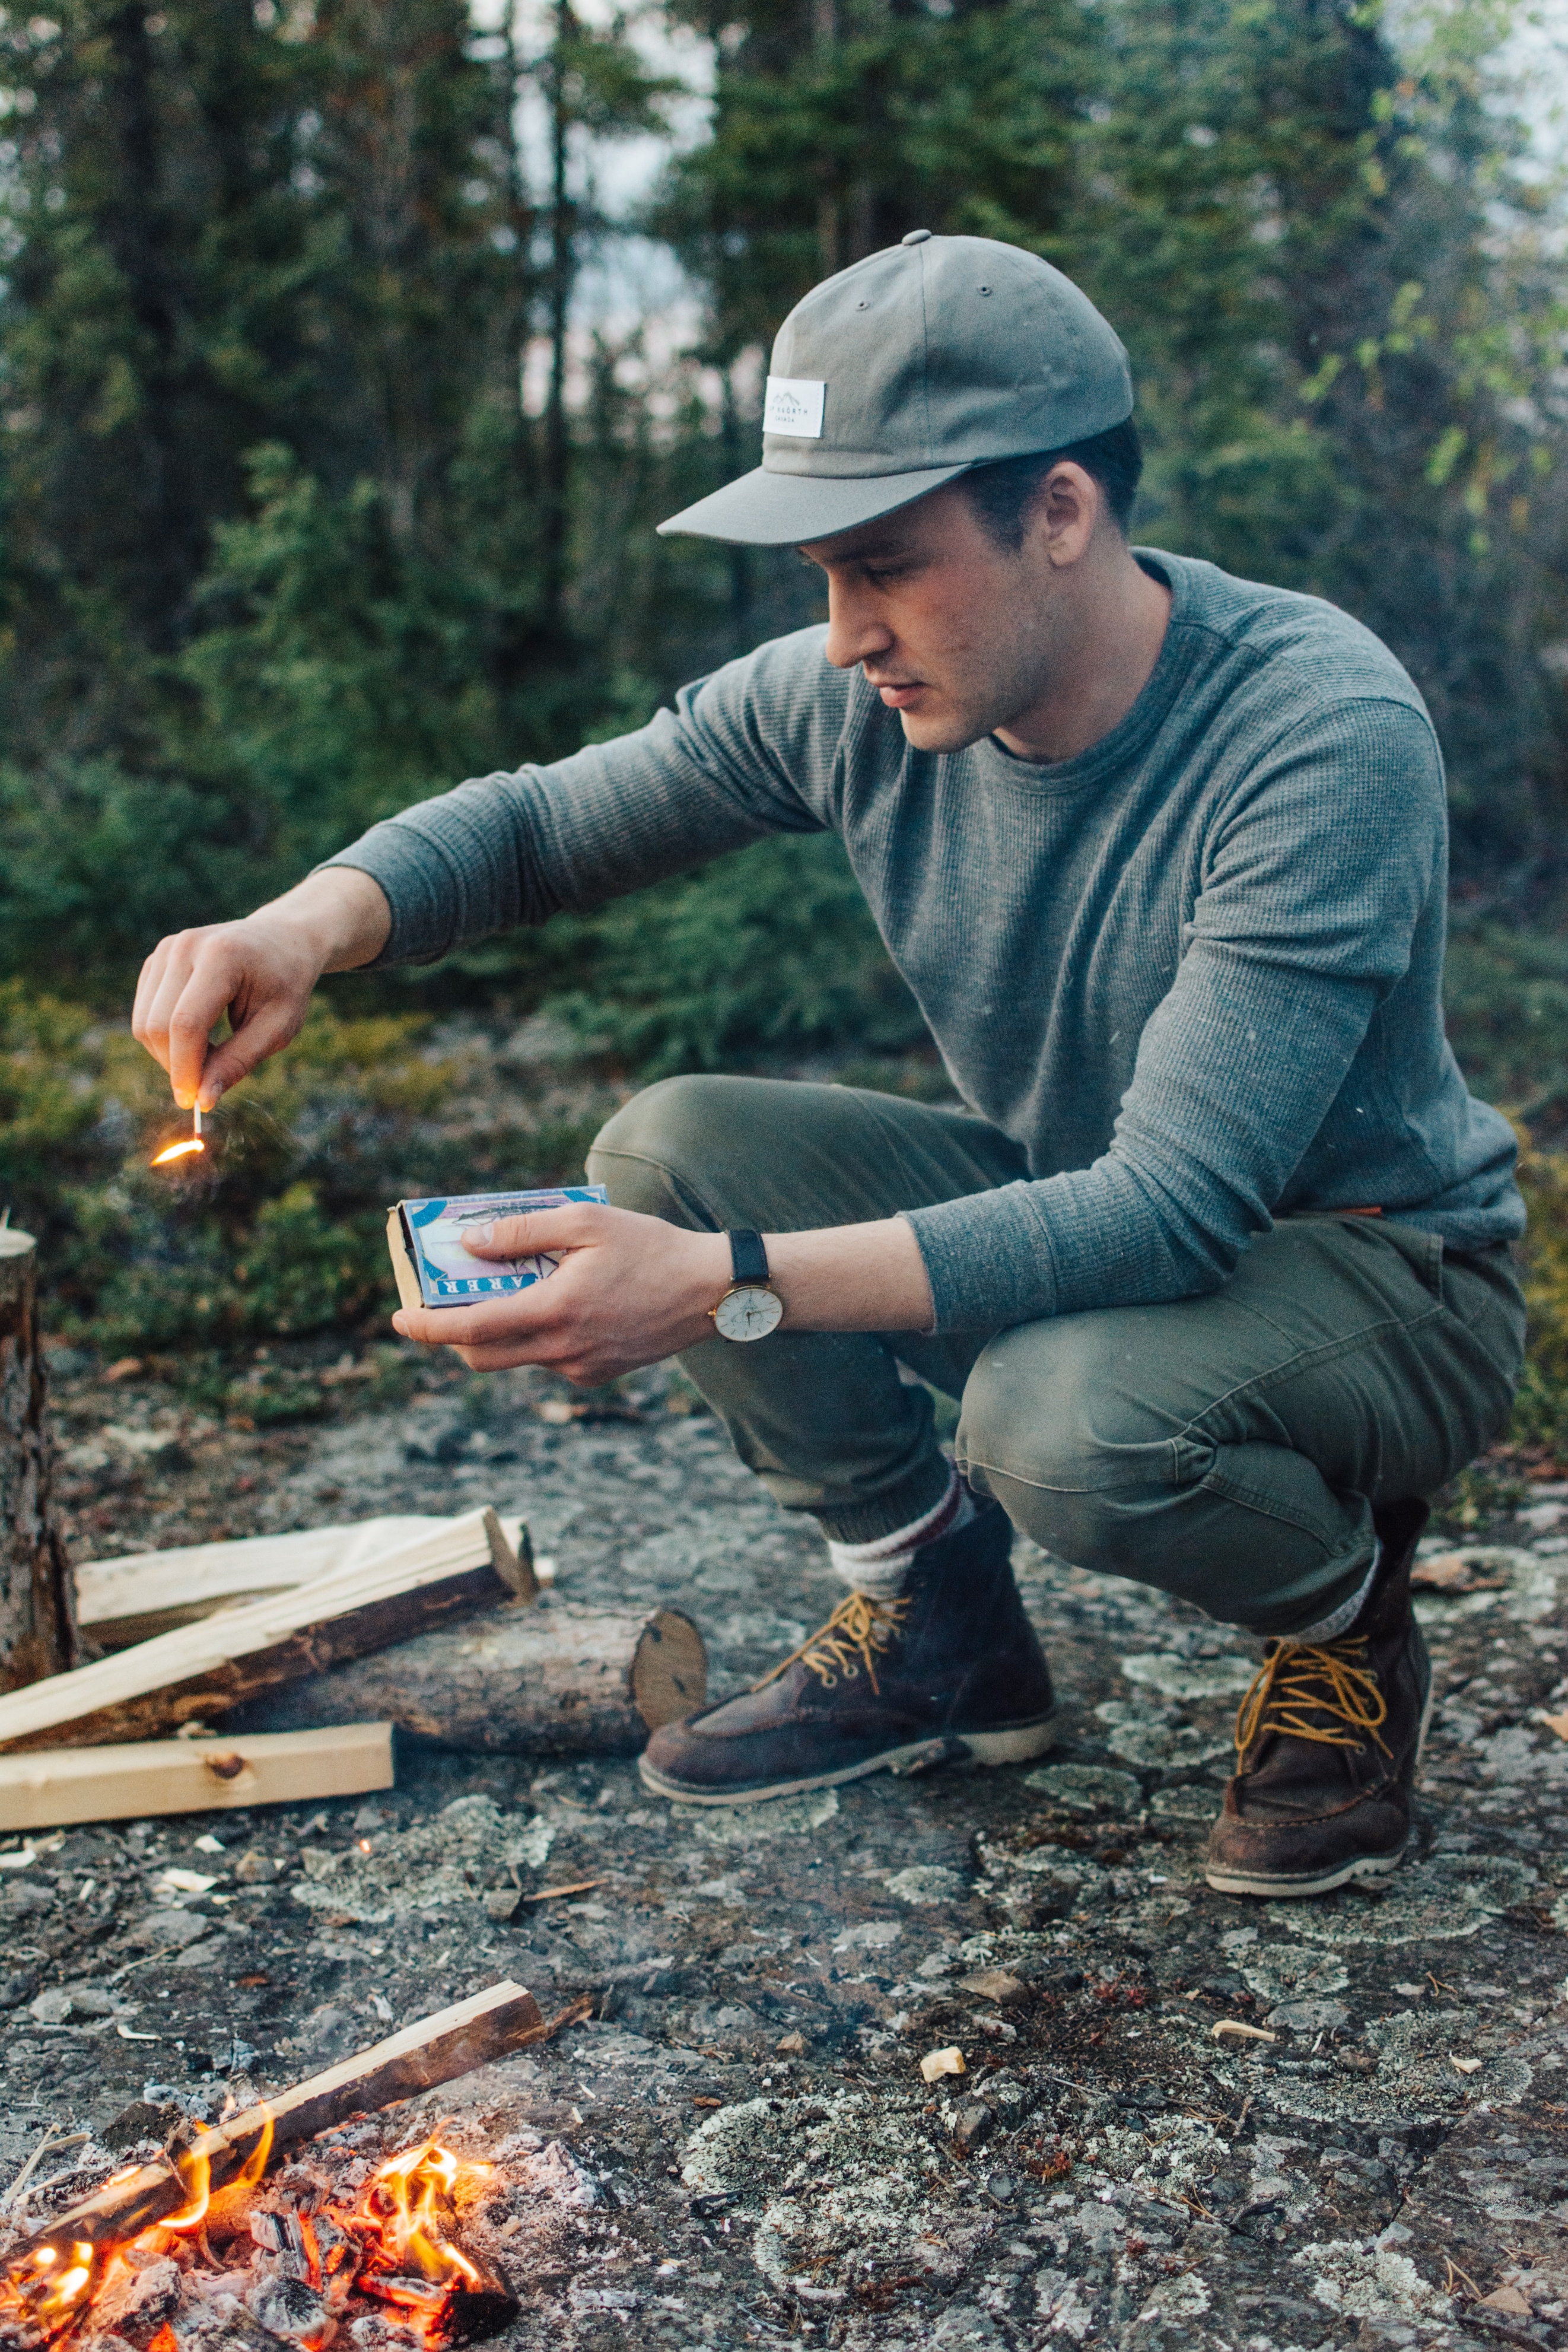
(743, 753)
(1314, 879)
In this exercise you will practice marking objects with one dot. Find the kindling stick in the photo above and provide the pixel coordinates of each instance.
(472, 2033)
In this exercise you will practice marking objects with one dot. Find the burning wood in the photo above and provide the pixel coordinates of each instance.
(206, 1668)
(411, 2264)
(392, 2244)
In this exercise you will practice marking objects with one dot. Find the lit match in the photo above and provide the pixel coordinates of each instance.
(182, 1151)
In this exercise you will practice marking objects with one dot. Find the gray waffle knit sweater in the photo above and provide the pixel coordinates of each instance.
(1193, 973)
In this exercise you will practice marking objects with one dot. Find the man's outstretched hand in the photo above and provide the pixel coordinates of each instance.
(631, 1291)
(259, 971)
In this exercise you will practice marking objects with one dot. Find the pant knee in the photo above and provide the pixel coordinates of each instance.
(1079, 1463)
(654, 1153)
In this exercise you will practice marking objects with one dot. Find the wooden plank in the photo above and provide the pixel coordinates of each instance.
(53, 1786)
(144, 1593)
(452, 2042)
(203, 1670)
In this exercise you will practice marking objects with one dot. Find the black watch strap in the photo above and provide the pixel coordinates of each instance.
(747, 1258)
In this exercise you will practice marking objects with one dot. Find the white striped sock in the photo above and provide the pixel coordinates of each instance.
(878, 1569)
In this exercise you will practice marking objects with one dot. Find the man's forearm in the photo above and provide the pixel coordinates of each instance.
(633, 1290)
(868, 1277)
(342, 912)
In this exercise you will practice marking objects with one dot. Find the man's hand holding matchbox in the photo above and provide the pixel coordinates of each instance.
(613, 1290)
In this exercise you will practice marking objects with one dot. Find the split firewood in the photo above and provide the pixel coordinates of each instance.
(473, 2032)
(557, 1679)
(37, 1620)
(144, 1593)
(205, 1669)
(51, 1786)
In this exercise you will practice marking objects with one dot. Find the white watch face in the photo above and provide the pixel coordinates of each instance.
(746, 1313)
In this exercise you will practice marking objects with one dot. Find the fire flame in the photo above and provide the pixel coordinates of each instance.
(50, 2290)
(404, 2257)
(412, 2263)
(195, 2173)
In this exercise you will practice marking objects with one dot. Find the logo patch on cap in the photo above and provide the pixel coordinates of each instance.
(794, 404)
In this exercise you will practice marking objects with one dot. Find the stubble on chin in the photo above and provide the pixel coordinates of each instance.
(941, 733)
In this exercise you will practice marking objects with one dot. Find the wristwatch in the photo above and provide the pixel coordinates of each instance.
(749, 1309)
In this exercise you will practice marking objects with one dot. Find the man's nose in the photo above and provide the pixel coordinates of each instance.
(855, 633)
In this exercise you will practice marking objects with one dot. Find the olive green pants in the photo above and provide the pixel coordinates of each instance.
(1227, 1448)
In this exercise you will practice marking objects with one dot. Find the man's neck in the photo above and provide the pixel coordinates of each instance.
(1104, 660)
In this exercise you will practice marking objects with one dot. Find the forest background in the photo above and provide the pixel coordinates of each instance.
(321, 488)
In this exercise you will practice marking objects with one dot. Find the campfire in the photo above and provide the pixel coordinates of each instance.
(304, 2256)
(221, 2231)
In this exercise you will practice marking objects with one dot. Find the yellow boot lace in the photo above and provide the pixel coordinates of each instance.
(858, 1630)
(1299, 1681)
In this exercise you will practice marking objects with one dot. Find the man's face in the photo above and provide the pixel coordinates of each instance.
(956, 632)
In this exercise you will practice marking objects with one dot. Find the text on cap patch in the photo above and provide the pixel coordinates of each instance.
(794, 404)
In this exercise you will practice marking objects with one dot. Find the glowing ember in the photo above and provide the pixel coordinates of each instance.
(51, 2289)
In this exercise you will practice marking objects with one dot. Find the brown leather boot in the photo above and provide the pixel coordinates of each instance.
(952, 1664)
(1329, 1738)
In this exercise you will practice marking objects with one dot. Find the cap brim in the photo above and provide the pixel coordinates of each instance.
(768, 510)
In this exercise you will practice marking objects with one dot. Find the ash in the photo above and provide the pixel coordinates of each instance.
(738, 2148)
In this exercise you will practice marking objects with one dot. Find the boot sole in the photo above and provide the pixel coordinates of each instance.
(1363, 1865)
(1019, 1745)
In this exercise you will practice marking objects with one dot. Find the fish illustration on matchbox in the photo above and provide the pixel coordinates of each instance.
(433, 1267)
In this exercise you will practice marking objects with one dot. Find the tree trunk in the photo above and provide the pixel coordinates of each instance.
(562, 272)
(38, 1602)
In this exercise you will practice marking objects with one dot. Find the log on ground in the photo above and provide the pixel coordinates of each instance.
(555, 1679)
(205, 1670)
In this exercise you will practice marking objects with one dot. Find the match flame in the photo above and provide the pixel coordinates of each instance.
(191, 1143)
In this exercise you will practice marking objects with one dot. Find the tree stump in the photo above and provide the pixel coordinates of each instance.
(38, 1606)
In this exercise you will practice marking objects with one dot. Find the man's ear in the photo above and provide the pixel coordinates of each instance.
(1065, 514)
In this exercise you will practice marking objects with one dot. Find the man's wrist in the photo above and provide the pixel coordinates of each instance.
(342, 917)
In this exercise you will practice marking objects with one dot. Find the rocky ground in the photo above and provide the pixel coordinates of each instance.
(1182, 2119)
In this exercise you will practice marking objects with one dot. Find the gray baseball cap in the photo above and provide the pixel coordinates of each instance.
(906, 369)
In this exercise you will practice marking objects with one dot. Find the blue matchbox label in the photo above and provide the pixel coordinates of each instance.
(449, 1275)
